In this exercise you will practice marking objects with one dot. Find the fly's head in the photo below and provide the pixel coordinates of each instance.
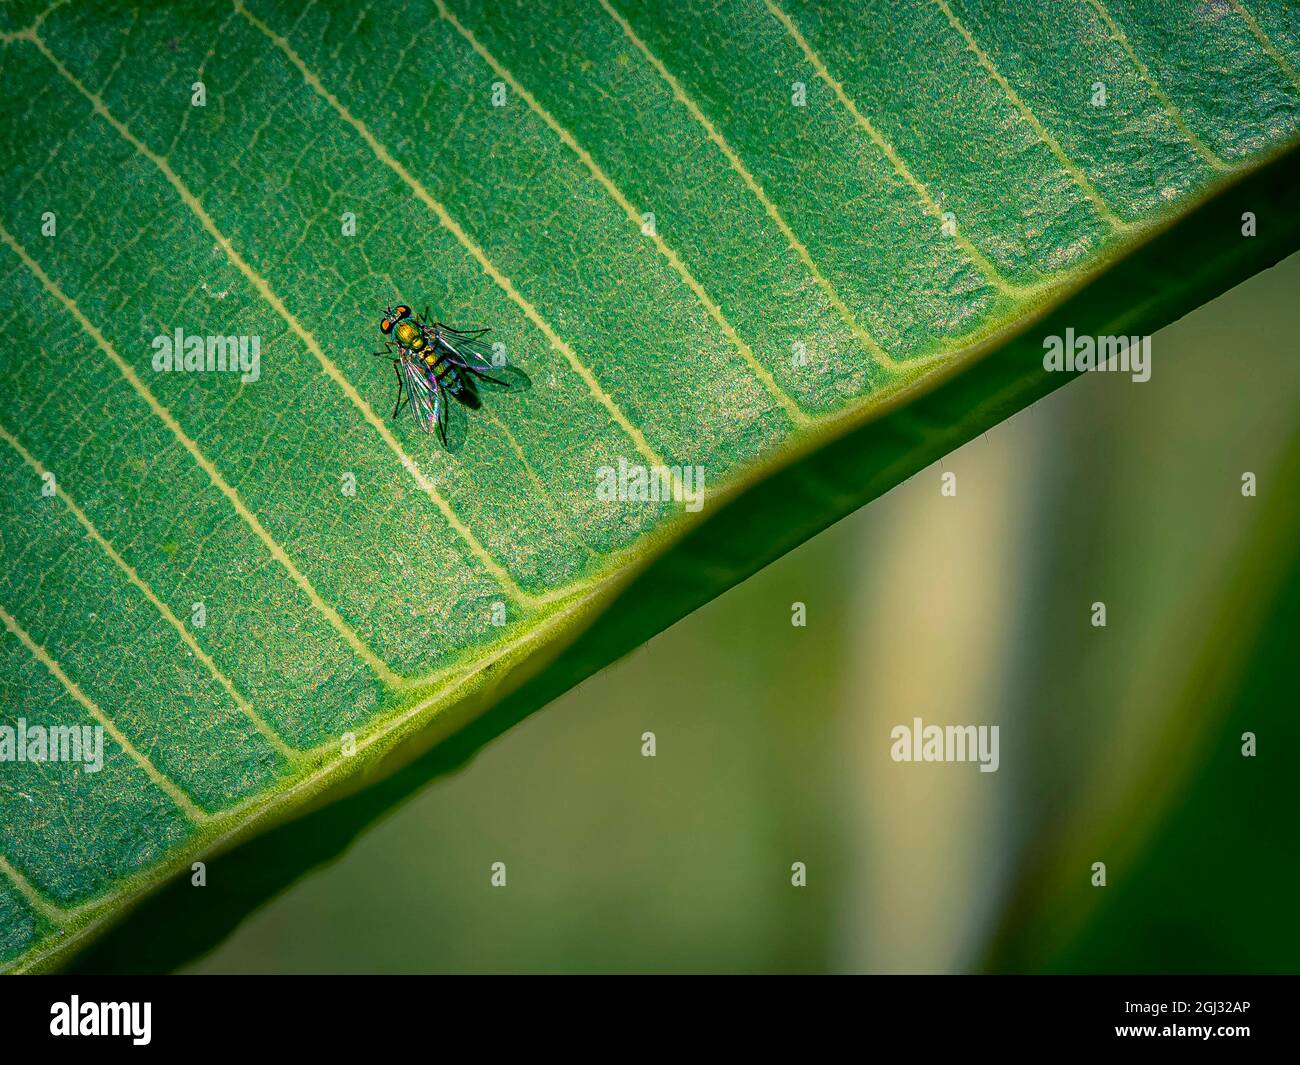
(392, 317)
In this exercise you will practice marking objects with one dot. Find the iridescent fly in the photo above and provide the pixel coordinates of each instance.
(440, 371)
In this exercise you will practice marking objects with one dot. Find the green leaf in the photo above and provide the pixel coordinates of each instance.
(806, 250)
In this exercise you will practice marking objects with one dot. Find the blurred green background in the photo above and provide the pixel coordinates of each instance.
(1120, 744)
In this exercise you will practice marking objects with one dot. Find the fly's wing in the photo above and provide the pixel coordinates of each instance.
(452, 420)
(470, 352)
(422, 399)
(432, 407)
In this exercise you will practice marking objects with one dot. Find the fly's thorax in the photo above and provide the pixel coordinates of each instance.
(409, 335)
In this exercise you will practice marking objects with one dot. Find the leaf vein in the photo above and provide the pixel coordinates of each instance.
(332, 371)
(353, 640)
(855, 327)
(164, 783)
(1266, 44)
(262, 726)
(453, 227)
(1202, 149)
(51, 911)
(796, 414)
(900, 166)
(1080, 178)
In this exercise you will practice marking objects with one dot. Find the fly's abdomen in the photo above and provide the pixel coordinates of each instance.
(442, 373)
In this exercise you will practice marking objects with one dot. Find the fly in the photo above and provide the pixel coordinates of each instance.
(440, 372)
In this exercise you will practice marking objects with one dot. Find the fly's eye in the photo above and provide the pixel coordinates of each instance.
(403, 312)
(386, 326)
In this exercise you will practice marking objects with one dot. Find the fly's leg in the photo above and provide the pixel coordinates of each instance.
(469, 334)
(398, 405)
